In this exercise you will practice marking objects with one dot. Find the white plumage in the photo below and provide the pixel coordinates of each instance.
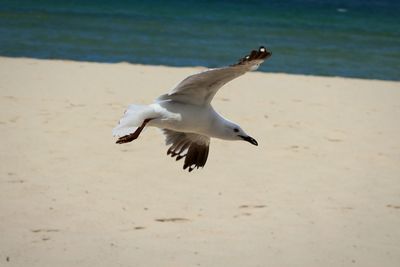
(186, 116)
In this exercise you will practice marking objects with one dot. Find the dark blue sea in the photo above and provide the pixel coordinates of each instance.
(353, 38)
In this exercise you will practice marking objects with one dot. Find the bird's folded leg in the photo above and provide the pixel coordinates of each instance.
(130, 137)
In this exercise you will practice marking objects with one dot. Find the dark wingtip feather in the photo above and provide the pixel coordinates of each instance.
(260, 54)
(195, 157)
(195, 154)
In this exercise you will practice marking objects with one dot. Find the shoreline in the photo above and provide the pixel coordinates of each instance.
(193, 67)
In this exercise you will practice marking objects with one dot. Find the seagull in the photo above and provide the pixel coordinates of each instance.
(185, 114)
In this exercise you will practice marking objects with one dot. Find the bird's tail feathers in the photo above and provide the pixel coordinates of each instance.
(134, 117)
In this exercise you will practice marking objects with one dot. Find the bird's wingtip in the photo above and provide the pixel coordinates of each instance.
(261, 54)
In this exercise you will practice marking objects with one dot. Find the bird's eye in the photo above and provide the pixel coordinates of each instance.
(236, 130)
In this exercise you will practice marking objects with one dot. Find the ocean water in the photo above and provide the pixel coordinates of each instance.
(353, 38)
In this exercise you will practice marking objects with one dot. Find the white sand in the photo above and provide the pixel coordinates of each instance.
(321, 189)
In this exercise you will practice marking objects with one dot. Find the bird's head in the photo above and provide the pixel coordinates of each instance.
(237, 133)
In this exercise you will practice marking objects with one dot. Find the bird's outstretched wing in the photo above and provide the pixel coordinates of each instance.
(193, 147)
(199, 89)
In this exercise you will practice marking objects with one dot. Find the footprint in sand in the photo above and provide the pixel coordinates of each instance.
(14, 119)
(10, 97)
(336, 136)
(172, 220)
(296, 148)
(333, 139)
(73, 105)
(44, 230)
(44, 233)
(18, 181)
(134, 228)
(14, 181)
(252, 206)
(247, 208)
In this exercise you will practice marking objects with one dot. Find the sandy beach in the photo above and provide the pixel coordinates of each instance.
(321, 189)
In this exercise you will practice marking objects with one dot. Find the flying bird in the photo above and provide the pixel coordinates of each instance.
(186, 116)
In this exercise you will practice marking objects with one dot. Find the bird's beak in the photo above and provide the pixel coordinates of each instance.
(249, 139)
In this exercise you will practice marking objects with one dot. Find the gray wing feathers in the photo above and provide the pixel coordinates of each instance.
(199, 89)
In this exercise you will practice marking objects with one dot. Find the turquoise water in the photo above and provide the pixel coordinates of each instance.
(333, 38)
